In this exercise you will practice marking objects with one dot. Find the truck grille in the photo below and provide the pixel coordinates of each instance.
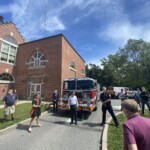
(79, 94)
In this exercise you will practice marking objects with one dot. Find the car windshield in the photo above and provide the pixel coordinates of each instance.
(69, 85)
(79, 85)
(85, 84)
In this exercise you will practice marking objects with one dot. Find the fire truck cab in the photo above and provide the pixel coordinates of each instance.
(87, 91)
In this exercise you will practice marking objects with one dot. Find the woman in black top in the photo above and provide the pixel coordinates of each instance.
(36, 107)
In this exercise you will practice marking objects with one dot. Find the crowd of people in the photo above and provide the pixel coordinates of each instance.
(141, 97)
(135, 129)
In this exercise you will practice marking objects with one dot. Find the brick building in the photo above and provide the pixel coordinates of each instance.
(10, 38)
(39, 66)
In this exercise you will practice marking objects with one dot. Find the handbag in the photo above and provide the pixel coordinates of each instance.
(31, 111)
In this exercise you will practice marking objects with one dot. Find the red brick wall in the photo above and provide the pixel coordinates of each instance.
(5, 86)
(69, 55)
(57, 50)
(51, 48)
(7, 29)
(57, 68)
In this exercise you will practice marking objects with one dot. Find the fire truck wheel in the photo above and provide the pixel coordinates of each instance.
(95, 109)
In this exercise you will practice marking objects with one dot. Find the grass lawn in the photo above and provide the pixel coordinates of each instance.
(115, 135)
(1, 102)
(21, 113)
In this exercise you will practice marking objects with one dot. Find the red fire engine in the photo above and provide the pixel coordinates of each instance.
(86, 90)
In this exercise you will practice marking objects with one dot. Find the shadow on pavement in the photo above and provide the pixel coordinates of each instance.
(80, 115)
(23, 127)
(92, 124)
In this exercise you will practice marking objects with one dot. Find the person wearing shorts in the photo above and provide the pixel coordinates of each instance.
(9, 105)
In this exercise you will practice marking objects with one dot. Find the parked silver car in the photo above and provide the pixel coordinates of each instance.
(130, 92)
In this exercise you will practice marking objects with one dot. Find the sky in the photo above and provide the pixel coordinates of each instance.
(95, 28)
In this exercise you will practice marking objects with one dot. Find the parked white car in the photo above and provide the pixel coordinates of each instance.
(114, 91)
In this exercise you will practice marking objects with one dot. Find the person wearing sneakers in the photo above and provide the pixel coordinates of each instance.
(106, 105)
(36, 105)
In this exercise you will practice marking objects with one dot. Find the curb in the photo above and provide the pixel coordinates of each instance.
(15, 125)
(105, 132)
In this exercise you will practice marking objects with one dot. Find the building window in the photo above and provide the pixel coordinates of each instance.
(10, 39)
(37, 60)
(6, 78)
(8, 53)
(72, 65)
(82, 71)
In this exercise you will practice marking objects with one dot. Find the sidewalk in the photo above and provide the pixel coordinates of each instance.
(105, 132)
(103, 136)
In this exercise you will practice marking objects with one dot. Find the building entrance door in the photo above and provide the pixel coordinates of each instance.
(35, 89)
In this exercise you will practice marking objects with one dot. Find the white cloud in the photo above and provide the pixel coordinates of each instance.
(51, 15)
(119, 33)
(35, 17)
(53, 24)
(95, 61)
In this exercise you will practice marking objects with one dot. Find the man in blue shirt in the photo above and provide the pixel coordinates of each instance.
(9, 104)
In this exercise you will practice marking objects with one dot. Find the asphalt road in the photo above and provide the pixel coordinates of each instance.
(56, 133)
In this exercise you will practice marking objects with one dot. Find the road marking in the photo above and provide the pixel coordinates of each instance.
(69, 120)
(116, 107)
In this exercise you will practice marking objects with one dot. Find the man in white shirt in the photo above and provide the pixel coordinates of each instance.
(73, 103)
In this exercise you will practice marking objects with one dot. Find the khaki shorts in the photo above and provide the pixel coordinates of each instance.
(9, 110)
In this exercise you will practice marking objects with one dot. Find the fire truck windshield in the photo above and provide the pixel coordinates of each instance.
(79, 85)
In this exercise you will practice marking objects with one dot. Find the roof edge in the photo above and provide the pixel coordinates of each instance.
(53, 37)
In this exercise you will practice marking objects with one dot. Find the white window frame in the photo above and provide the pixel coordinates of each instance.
(8, 53)
(72, 66)
(36, 57)
(8, 77)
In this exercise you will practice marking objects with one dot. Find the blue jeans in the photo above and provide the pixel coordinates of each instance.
(143, 106)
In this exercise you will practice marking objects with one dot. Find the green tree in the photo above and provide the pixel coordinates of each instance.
(137, 53)
(94, 72)
(130, 66)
